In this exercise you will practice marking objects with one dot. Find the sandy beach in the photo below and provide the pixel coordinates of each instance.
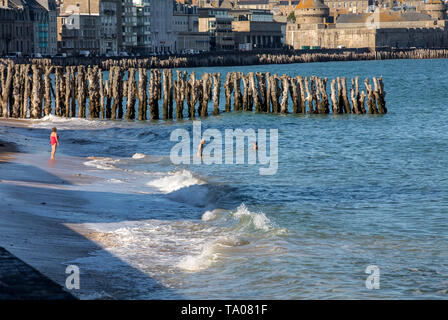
(31, 187)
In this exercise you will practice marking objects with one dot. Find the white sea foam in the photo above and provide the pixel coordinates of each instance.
(210, 215)
(102, 163)
(139, 156)
(69, 123)
(175, 181)
(259, 220)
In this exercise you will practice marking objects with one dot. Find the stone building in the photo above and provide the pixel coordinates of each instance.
(383, 28)
(104, 15)
(186, 25)
(256, 29)
(162, 33)
(16, 28)
(218, 23)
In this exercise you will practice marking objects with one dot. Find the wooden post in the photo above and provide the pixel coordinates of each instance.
(205, 95)
(26, 91)
(256, 93)
(354, 97)
(334, 97)
(238, 98)
(261, 79)
(93, 91)
(131, 95)
(228, 89)
(347, 107)
(73, 93)
(47, 90)
(192, 96)
(102, 93)
(309, 97)
(340, 97)
(17, 92)
(275, 93)
(165, 90)
(7, 89)
(246, 89)
(302, 95)
(295, 96)
(380, 95)
(82, 92)
(322, 89)
(36, 102)
(142, 95)
(285, 91)
(170, 93)
(371, 105)
(216, 92)
(267, 98)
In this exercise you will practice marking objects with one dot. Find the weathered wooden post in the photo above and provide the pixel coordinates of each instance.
(108, 93)
(216, 92)
(380, 95)
(245, 79)
(322, 91)
(371, 105)
(82, 92)
(192, 96)
(142, 95)
(102, 93)
(93, 92)
(354, 95)
(309, 97)
(26, 91)
(228, 88)
(267, 97)
(334, 97)
(131, 95)
(347, 107)
(47, 90)
(170, 93)
(261, 79)
(7, 89)
(256, 94)
(285, 91)
(165, 90)
(302, 95)
(36, 102)
(205, 95)
(275, 93)
(238, 98)
(154, 94)
(295, 97)
(17, 92)
(73, 93)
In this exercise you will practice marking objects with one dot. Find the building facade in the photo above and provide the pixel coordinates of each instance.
(382, 28)
(186, 26)
(16, 28)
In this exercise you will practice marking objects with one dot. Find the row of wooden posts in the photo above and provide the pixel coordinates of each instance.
(29, 91)
(240, 58)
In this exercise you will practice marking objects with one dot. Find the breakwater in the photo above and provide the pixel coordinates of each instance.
(28, 90)
(240, 58)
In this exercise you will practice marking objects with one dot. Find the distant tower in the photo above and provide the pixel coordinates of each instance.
(436, 9)
(311, 12)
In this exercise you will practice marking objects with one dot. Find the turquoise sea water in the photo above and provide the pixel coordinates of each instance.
(350, 191)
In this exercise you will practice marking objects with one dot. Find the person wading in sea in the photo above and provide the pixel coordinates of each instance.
(54, 140)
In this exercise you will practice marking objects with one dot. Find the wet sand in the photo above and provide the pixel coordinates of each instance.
(30, 186)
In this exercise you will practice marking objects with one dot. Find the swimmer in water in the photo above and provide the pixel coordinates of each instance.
(54, 140)
(255, 145)
(200, 148)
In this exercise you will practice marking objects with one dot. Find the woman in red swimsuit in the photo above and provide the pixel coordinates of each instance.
(54, 140)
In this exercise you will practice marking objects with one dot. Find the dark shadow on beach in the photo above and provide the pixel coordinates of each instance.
(47, 244)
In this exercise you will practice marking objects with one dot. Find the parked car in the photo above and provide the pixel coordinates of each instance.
(84, 53)
(13, 55)
(60, 55)
(123, 54)
(36, 55)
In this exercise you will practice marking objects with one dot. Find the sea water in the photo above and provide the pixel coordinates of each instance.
(351, 191)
